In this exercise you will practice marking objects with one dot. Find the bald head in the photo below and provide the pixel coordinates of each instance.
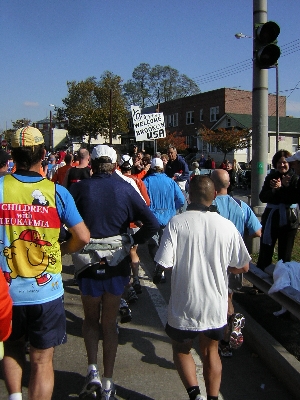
(201, 190)
(220, 178)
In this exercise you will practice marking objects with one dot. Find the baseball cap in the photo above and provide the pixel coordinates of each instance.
(102, 150)
(126, 162)
(4, 156)
(157, 162)
(27, 136)
(31, 235)
(294, 157)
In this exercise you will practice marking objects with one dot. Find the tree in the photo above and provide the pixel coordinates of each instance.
(89, 104)
(19, 123)
(150, 85)
(227, 139)
(172, 139)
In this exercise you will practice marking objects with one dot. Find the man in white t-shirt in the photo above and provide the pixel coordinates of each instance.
(200, 245)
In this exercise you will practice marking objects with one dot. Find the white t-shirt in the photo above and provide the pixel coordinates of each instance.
(200, 246)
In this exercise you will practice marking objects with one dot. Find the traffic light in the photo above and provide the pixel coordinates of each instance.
(266, 50)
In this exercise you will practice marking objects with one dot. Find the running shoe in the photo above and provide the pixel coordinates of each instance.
(236, 324)
(199, 397)
(225, 350)
(124, 312)
(91, 384)
(131, 296)
(108, 394)
(157, 274)
(137, 285)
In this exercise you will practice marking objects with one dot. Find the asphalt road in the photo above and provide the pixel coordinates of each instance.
(144, 367)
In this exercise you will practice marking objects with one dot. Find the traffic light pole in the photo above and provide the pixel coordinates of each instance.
(259, 116)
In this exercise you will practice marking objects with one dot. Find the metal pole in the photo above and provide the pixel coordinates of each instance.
(259, 116)
(50, 133)
(110, 117)
(277, 108)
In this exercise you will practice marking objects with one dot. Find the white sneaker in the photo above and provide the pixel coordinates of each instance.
(91, 384)
(108, 394)
(199, 397)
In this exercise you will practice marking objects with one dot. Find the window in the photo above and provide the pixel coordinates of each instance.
(172, 120)
(201, 114)
(188, 141)
(214, 114)
(41, 126)
(228, 122)
(295, 144)
(189, 117)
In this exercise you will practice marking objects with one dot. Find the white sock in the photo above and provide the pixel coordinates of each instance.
(106, 383)
(92, 367)
(15, 396)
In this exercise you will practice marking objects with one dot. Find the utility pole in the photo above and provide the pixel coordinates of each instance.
(110, 116)
(265, 55)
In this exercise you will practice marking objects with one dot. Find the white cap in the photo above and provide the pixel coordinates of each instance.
(127, 160)
(102, 150)
(294, 157)
(157, 162)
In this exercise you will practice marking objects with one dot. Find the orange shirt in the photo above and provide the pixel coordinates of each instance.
(60, 174)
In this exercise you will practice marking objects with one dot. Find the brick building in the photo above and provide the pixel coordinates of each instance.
(188, 114)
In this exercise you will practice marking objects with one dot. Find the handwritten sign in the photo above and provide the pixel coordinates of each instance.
(147, 126)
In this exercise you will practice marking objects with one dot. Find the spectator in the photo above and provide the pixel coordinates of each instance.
(280, 218)
(213, 164)
(232, 179)
(178, 170)
(202, 161)
(208, 163)
(195, 169)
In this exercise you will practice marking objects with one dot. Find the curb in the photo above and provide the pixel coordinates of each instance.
(282, 364)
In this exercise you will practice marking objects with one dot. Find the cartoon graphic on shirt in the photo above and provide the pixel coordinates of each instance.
(27, 258)
(39, 198)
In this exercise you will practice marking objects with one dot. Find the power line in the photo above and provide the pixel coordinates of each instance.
(287, 49)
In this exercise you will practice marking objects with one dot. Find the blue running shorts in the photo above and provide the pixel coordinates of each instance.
(182, 336)
(97, 287)
(44, 325)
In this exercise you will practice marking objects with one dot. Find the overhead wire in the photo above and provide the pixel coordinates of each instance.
(286, 49)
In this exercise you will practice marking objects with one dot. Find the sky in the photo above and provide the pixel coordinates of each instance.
(45, 44)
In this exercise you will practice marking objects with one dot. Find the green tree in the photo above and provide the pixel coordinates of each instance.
(149, 85)
(95, 107)
(137, 90)
(19, 123)
(227, 140)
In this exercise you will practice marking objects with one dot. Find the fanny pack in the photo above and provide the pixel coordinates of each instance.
(101, 270)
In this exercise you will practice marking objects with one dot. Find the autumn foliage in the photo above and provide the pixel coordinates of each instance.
(172, 139)
(227, 140)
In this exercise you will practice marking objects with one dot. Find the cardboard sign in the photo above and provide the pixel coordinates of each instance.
(147, 126)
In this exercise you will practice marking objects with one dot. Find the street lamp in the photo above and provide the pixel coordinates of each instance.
(242, 36)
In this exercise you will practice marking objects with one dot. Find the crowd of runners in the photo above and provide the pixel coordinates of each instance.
(99, 207)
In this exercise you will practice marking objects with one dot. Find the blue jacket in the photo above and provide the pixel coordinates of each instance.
(165, 196)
